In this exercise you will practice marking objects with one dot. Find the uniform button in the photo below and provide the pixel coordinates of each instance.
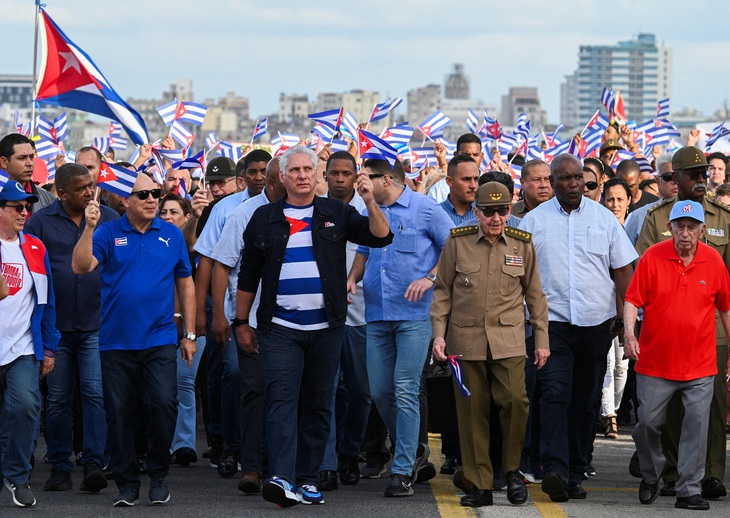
(490, 291)
(490, 273)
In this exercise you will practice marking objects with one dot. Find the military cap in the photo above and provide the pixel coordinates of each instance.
(689, 157)
(609, 145)
(493, 194)
(220, 168)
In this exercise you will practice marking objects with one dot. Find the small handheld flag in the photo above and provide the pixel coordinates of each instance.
(380, 111)
(456, 371)
(372, 146)
(116, 179)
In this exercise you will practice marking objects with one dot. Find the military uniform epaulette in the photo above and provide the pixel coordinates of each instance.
(517, 233)
(464, 231)
(717, 202)
(660, 204)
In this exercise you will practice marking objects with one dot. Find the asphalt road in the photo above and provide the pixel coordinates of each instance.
(197, 491)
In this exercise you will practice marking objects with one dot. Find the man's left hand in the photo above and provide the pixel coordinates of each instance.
(47, 365)
(417, 288)
(188, 348)
(541, 356)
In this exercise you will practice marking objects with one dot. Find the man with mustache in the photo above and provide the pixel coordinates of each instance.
(690, 174)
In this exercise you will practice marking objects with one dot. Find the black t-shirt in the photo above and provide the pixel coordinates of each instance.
(646, 199)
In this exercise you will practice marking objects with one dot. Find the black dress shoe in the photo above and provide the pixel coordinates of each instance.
(449, 466)
(184, 456)
(669, 489)
(713, 488)
(634, 467)
(477, 498)
(576, 492)
(555, 486)
(648, 492)
(693, 503)
(327, 480)
(516, 490)
(349, 471)
(461, 482)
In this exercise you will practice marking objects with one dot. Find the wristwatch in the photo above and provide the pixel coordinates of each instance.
(189, 336)
(239, 322)
(431, 277)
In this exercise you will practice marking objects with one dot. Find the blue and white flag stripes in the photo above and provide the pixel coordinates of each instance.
(325, 131)
(718, 132)
(117, 179)
(285, 140)
(167, 112)
(211, 140)
(115, 129)
(434, 125)
(231, 151)
(182, 190)
(172, 155)
(193, 162)
(608, 99)
(68, 77)
(47, 149)
(54, 131)
(3, 179)
(471, 121)
(260, 129)
(422, 157)
(662, 110)
(181, 134)
(192, 113)
(456, 371)
(398, 136)
(101, 144)
(331, 118)
(372, 146)
(339, 145)
(380, 111)
(117, 142)
(349, 126)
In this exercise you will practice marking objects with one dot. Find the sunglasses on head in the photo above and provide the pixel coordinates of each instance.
(144, 194)
(592, 186)
(489, 212)
(20, 208)
(667, 177)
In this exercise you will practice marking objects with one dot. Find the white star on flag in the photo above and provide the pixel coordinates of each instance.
(71, 62)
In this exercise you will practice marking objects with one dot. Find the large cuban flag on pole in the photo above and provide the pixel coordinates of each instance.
(68, 77)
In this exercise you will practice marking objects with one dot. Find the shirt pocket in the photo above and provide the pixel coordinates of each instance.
(509, 280)
(334, 238)
(512, 328)
(461, 332)
(596, 242)
(404, 241)
(467, 277)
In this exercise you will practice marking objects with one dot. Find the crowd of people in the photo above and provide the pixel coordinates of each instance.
(315, 306)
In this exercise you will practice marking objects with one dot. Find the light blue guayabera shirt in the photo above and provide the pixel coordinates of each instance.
(469, 218)
(574, 253)
(635, 222)
(214, 226)
(420, 228)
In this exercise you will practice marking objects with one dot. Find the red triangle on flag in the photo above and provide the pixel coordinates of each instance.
(180, 111)
(106, 174)
(365, 144)
(386, 134)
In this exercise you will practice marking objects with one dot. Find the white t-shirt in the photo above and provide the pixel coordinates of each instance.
(16, 309)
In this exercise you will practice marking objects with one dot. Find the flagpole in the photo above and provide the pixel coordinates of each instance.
(254, 132)
(35, 62)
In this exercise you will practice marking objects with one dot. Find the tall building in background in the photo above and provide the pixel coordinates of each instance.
(456, 85)
(522, 99)
(639, 68)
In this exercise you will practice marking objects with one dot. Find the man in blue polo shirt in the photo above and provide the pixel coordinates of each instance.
(142, 260)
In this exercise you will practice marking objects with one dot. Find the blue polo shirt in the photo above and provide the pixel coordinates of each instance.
(138, 274)
(78, 297)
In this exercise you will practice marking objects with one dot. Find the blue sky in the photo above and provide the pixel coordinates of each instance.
(259, 49)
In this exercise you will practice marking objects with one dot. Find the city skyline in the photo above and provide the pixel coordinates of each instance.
(393, 49)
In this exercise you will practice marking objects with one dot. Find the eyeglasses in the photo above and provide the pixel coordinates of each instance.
(489, 212)
(220, 183)
(591, 186)
(377, 175)
(694, 174)
(20, 208)
(143, 195)
(667, 177)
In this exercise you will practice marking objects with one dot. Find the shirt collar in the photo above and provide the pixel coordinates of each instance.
(405, 197)
(127, 226)
(582, 205)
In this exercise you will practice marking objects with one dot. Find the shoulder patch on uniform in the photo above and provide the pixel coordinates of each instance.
(661, 204)
(718, 203)
(517, 233)
(464, 231)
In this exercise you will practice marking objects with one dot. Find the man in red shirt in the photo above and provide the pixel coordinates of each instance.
(674, 279)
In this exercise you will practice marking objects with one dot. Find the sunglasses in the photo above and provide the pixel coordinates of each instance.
(20, 208)
(489, 212)
(695, 174)
(378, 175)
(143, 195)
(667, 177)
(591, 186)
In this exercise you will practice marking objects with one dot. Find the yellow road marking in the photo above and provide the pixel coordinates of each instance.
(444, 491)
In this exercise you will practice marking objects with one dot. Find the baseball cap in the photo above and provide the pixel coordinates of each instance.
(609, 145)
(220, 168)
(687, 209)
(493, 194)
(13, 191)
(689, 157)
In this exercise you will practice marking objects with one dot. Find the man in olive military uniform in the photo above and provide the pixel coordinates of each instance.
(536, 187)
(484, 273)
(690, 174)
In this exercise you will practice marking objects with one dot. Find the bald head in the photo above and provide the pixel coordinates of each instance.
(144, 182)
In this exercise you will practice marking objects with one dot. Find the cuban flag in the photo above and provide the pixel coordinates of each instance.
(68, 77)
(434, 125)
(260, 129)
(51, 167)
(456, 371)
(592, 140)
(116, 142)
(331, 118)
(422, 157)
(398, 136)
(3, 179)
(182, 190)
(339, 145)
(556, 150)
(662, 110)
(167, 111)
(181, 134)
(231, 151)
(534, 153)
(116, 179)
(172, 155)
(450, 148)
(718, 132)
(159, 162)
(211, 140)
(471, 121)
(193, 162)
(644, 126)
(493, 129)
(47, 149)
(285, 140)
(115, 129)
(192, 113)
(657, 136)
(54, 131)
(380, 111)
(349, 126)
(372, 146)
(608, 99)
(674, 146)
(101, 144)
(324, 131)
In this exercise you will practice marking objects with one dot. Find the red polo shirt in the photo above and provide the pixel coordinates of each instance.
(677, 340)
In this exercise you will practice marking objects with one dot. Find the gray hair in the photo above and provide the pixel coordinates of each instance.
(662, 159)
(297, 150)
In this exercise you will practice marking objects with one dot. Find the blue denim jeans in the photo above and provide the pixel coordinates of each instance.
(224, 387)
(77, 352)
(125, 374)
(396, 351)
(352, 402)
(300, 368)
(185, 427)
(20, 407)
